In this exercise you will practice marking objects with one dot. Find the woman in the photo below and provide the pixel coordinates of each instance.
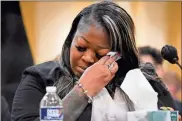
(96, 30)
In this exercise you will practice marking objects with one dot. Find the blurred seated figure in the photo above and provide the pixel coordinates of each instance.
(173, 82)
(15, 50)
(5, 114)
(152, 55)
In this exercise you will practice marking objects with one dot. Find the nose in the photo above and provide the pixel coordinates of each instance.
(88, 57)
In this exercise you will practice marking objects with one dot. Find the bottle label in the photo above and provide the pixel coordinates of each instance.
(51, 113)
(174, 115)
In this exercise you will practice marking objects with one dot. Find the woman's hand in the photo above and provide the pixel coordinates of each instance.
(170, 109)
(99, 75)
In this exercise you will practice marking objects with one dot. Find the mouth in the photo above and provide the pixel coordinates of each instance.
(81, 69)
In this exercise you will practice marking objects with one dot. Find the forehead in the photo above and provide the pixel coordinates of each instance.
(146, 58)
(94, 34)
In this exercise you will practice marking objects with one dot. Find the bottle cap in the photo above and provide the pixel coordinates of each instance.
(50, 89)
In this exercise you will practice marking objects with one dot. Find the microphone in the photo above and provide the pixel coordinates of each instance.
(169, 53)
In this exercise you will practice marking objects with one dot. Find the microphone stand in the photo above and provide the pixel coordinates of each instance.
(176, 61)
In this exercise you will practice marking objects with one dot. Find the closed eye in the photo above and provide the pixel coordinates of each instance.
(98, 56)
(81, 49)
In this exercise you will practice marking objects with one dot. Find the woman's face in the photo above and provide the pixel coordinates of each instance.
(88, 47)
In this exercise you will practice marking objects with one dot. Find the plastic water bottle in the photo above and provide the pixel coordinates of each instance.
(51, 107)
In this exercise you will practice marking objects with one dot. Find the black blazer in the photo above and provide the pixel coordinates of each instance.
(5, 114)
(32, 89)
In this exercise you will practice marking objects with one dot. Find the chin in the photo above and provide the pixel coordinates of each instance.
(77, 74)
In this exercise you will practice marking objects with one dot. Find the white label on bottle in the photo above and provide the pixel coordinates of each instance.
(47, 113)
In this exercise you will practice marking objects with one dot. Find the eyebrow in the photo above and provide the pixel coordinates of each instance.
(96, 45)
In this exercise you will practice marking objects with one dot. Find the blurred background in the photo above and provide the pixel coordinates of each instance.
(34, 32)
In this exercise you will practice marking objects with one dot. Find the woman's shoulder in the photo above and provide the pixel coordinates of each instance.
(48, 71)
(44, 66)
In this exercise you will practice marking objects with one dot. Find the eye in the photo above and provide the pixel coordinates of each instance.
(98, 56)
(81, 49)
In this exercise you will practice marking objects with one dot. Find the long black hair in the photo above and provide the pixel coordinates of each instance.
(120, 28)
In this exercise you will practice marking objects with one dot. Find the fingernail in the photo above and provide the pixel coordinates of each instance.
(106, 57)
(116, 57)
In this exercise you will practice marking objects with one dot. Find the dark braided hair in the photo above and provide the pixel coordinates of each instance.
(120, 28)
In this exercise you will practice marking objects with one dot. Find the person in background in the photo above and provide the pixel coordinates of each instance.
(15, 50)
(5, 114)
(84, 68)
(173, 82)
(153, 55)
